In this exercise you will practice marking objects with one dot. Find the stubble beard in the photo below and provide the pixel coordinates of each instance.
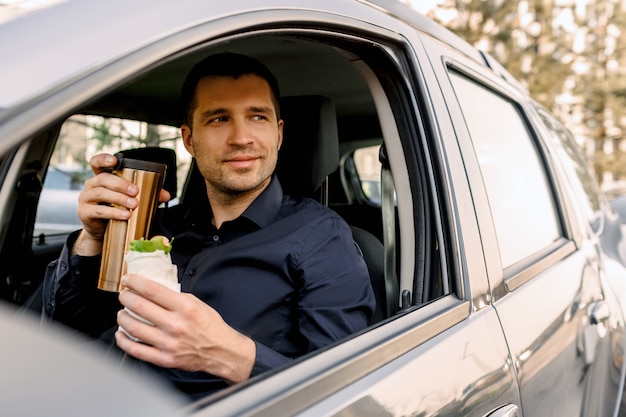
(228, 183)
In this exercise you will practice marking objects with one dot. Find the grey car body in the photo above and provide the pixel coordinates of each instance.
(485, 322)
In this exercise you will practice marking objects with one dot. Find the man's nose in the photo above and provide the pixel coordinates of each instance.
(240, 133)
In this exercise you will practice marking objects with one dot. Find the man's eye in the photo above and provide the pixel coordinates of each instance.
(259, 117)
(218, 119)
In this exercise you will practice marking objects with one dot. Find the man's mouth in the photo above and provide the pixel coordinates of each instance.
(242, 161)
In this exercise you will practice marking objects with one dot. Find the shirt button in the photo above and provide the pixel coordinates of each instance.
(192, 272)
(63, 266)
(216, 238)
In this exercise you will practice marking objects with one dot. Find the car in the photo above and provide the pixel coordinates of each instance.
(56, 209)
(497, 262)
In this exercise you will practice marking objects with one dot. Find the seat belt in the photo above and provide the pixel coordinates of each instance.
(389, 237)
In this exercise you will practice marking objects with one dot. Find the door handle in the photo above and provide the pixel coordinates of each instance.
(599, 312)
(509, 410)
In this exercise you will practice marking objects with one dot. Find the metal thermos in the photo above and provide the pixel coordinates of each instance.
(148, 176)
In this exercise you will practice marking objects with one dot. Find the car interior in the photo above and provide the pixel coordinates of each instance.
(331, 104)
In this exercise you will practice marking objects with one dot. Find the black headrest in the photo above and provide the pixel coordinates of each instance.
(310, 149)
(161, 155)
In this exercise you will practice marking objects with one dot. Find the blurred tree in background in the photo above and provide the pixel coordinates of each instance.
(570, 54)
(83, 136)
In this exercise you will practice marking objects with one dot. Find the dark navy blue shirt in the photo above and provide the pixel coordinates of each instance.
(286, 273)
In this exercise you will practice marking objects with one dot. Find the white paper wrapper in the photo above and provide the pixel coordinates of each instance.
(154, 265)
(158, 267)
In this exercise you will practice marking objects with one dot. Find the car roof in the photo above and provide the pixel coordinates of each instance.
(81, 35)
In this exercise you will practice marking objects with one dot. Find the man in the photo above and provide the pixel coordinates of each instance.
(265, 277)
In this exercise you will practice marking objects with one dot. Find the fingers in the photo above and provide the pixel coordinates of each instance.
(184, 332)
(144, 349)
(138, 285)
(136, 327)
(105, 187)
(141, 312)
(147, 317)
(155, 302)
(164, 196)
(102, 162)
(108, 188)
(105, 196)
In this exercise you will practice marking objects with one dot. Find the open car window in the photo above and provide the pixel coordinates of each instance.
(81, 137)
(398, 233)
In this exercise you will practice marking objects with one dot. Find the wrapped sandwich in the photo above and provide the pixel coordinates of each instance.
(151, 259)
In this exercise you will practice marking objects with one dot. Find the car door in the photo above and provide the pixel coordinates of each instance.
(543, 270)
(447, 355)
(444, 353)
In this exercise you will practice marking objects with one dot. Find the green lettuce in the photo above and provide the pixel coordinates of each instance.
(152, 245)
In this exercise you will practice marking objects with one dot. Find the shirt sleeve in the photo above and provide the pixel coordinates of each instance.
(71, 295)
(336, 297)
(267, 359)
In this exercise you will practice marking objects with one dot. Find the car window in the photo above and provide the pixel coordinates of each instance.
(56, 212)
(390, 257)
(517, 187)
(69, 179)
(579, 173)
(367, 169)
(81, 137)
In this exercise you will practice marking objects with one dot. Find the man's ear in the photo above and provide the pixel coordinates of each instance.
(280, 133)
(185, 132)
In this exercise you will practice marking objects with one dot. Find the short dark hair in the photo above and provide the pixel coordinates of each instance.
(226, 64)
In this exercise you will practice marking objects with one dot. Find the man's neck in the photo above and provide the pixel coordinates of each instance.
(228, 207)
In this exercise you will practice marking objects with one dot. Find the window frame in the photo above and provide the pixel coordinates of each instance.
(419, 323)
(416, 325)
(523, 270)
(555, 130)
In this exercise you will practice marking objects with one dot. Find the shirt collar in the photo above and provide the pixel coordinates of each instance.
(264, 208)
(262, 211)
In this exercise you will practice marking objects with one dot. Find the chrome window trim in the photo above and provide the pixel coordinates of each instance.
(521, 272)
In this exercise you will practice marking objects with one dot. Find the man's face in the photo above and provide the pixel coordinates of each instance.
(234, 135)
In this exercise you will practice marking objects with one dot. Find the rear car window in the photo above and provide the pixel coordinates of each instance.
(517, 186)
(81, 137)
